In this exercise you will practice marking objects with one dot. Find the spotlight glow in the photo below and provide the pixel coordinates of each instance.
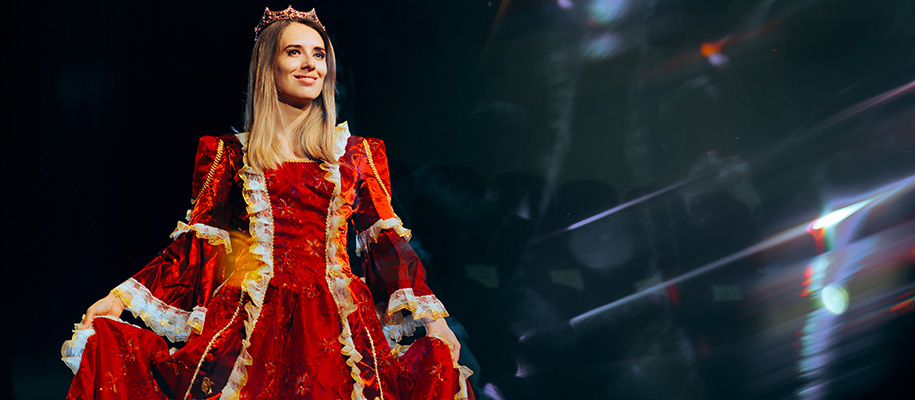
(834, 298)
(838, 215)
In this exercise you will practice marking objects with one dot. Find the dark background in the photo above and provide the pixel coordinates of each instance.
(506, 124)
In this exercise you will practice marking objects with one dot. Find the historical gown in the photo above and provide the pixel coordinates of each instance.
(258, 285)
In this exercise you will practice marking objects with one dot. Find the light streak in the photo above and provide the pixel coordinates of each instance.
(768, 243)
(876, 197)
(613, 210)
(837, 216)
(902, 306)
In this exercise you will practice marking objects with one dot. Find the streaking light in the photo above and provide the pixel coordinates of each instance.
(766, 244)
(838, 215)
(834, 298)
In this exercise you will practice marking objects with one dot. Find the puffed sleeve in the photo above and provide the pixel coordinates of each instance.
(170, 293)
(392, 269)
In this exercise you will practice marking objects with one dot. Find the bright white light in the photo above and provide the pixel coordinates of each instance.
(834, 298)
(717, 59)
(838, 215)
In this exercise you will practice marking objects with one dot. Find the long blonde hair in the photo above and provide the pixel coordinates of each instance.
(312, 135)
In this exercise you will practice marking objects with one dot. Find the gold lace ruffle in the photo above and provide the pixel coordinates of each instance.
(214, 236)
(368, 236)
(172, 322)
(256, 282)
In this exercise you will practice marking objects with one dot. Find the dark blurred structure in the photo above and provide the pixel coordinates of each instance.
(614, 198)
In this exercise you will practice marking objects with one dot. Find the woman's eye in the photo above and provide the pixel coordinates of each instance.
(320, 56)
(293, 52)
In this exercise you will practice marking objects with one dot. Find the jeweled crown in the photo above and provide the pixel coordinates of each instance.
(289, 13)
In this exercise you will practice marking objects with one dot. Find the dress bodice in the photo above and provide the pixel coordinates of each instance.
(300, 196)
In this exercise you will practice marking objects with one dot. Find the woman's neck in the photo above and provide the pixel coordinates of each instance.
(289, 115)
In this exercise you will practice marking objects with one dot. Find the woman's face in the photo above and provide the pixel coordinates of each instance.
(300, 65)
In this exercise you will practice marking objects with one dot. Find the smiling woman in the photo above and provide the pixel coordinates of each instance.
(300, 66)
(291, 95)
(258, 283)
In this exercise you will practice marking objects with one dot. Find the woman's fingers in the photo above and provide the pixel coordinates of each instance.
(110, 305)
(87, 319)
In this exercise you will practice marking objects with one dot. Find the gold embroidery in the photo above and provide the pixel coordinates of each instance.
(206, 386)
(219, 150)
(368, 153)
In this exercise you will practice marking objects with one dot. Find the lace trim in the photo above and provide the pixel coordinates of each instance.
(243, 139)
(172, 322)
(214, 236)
(396, 326)
(365, 238)
(465, 373)
(420, 306)
(341, 135)
(71, 353)
(256, 282)
(337, 280)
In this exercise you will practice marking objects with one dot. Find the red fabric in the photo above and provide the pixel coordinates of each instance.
(116, 362)
(187, 272)
(392, 264)
(296, 347)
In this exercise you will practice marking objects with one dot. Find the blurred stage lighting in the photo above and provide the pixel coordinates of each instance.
(834, 298)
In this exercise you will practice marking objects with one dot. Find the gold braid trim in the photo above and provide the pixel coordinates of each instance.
(374, 360)
(220, 148)
(241, 301)
(368, 153)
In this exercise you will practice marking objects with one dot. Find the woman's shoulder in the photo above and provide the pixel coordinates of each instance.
(361, 145)
(220, 149)
(234, 143)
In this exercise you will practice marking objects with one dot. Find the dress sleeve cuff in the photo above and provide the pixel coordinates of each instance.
(172, 322)
(215, 236)
(396, 325)
(72, 351)
(368, 236)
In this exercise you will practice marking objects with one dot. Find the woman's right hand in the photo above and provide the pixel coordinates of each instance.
(110, 305)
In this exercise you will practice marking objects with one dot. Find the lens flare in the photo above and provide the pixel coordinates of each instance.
(834, 298)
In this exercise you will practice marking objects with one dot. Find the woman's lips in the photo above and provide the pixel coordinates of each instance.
(307, 79)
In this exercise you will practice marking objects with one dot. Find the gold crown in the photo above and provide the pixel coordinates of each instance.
(289, 13)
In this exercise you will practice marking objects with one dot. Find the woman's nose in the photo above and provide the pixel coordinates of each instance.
(308, 62)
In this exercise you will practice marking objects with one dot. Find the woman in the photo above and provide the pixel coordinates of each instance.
(258, 283)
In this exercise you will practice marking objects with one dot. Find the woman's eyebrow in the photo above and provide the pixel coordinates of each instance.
(299, 46)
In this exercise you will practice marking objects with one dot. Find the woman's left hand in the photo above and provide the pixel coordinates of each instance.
(439, 327)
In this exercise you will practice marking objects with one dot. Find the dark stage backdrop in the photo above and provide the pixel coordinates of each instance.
(614, 198)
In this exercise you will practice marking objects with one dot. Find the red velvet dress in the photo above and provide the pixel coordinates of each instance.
(258, 286)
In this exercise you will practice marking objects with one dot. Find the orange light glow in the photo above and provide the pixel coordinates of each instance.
(904, 306)
(709, 48)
